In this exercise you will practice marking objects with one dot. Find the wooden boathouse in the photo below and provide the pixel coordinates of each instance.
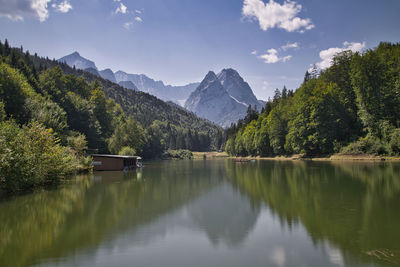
(104, 162)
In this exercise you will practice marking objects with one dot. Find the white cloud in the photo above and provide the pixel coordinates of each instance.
(272, 14)
(138, 11)
(272, 57)
(128, 25)
(40, 7)
(138, 19)
(254, 52)
(286, 58)
(62, 7)
(289, 46)
(328, 54)
(121, 9)
(17, 10)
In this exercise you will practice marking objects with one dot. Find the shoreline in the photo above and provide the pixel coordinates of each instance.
(333, 157)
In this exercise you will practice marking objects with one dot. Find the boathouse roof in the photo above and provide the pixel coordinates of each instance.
(115, 156)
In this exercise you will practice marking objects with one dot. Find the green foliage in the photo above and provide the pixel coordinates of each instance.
(127, 151)
(375, 76)
(48, 113)
(100, 111)
(328, 111)
(316, 121)
(230, 146)
(365, 145)
(128, 133)
(82, 119)
(154, 144)
(3, 114)
(77, 142)
(277, 128)
(32, 156)
(387, 144)
(394, 143)
(14, 90)
(178, 154)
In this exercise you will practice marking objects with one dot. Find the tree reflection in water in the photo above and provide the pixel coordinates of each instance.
(349, 211)
(353, 206)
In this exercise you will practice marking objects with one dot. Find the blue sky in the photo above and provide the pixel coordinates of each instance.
(270, 43)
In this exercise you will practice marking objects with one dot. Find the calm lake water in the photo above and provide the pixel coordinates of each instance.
(211, 213)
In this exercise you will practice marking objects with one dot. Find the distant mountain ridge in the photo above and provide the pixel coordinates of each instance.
(223, 98)
(177, 94)
(141, 82)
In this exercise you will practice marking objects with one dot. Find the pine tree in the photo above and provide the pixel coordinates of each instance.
(307, 77)
(284, 92)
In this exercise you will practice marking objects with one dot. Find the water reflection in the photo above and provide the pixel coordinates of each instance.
(211, 213)
(353, 206)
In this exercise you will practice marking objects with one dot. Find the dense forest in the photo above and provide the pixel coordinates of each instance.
(351, 107)
(51, 113)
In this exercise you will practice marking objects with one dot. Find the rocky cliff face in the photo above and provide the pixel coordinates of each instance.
(211, 101)
(238, 88)
(108, 74)
(128, 85)
(222, 98)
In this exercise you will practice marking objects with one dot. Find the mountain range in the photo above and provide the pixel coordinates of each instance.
(139, 82)
(222, 99)
(177, 94)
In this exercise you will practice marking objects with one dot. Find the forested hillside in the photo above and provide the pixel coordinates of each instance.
(96, 107)
(351, 107)
(50, 113)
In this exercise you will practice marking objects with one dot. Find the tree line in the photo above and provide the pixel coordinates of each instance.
(351, 107)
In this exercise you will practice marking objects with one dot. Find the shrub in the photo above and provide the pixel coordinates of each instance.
(178, 154)
(32, 156)
(77, 142)
(394, 144)
(368, 144)
(389, 144)
(127, 151)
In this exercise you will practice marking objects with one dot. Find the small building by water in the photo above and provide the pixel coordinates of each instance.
(104, 162)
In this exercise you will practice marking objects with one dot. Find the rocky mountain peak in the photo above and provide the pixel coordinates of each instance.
(236, 86)
(211, 76)
(75, 59)
(108, 74)
(222, 98)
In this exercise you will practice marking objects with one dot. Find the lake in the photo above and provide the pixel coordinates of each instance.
(211, 213)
